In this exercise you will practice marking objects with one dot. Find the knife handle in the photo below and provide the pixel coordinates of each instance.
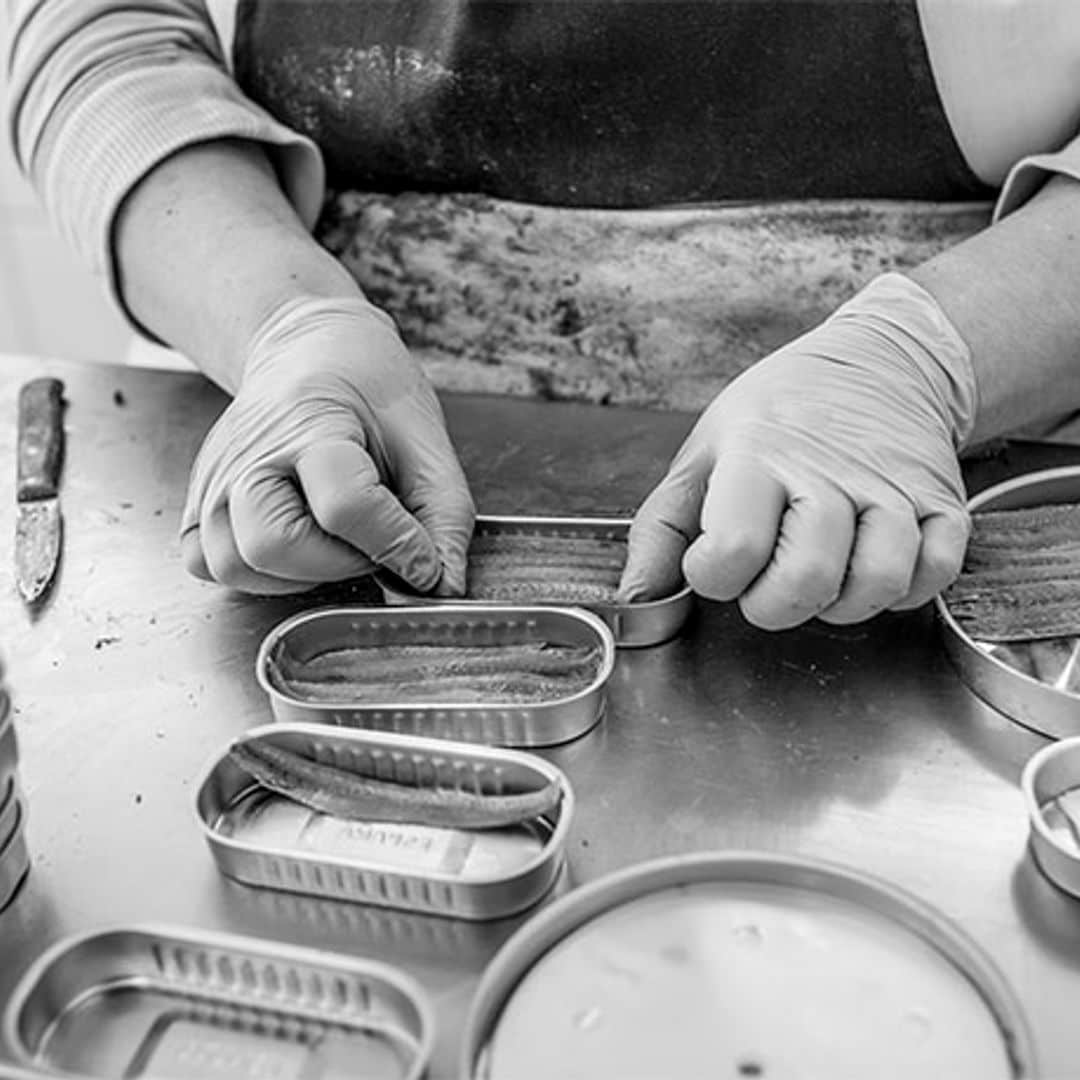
(40, 452)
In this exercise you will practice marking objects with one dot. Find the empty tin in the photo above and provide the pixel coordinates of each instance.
(264, 839)
(1034, 683)
(1050, 783)
(742, 965)
(165, 1002)
(579, 565)
(552, 711)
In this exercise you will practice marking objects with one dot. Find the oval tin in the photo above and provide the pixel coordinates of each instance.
(149, 1000)
(633, 625)
(745, 965)
(467, 874)
(536, 723)
(1030, 701)
(1049, 775)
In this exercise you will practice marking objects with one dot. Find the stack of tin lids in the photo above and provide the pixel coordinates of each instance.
(14, 855)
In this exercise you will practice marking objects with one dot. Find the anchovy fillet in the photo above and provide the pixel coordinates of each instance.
(344, 794)
(1021, 575)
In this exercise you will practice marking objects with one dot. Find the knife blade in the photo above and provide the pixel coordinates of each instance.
(39, 460)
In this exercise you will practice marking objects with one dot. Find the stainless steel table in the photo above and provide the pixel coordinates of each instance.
(857, 745)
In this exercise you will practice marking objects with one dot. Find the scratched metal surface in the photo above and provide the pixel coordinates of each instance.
(857, 745)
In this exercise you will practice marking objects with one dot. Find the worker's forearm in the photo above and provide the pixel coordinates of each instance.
(1013, 293)
(207, 246)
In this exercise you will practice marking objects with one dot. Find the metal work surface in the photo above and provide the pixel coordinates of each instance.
(857, 745)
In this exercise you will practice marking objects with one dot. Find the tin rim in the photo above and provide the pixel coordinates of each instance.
(270, 641)
(1025, 700)
(1042, 835)
(550, 926)
(555, 842)
(400, 981)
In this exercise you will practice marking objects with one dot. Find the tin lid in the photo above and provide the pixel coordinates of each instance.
(1037, 682)
(742, 966)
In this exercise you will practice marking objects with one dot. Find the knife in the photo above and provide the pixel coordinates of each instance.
(40, 457)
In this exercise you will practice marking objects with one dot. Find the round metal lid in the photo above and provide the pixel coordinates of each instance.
(742, 966)
(1035, 683)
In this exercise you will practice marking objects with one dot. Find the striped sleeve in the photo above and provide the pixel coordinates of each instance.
(101, 91)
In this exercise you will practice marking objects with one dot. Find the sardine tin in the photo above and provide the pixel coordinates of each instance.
(632, 625)
(146, 1000)
(543, 723)
(448, 872)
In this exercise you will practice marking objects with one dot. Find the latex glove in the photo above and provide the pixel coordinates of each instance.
(332, 458)
(824, 480)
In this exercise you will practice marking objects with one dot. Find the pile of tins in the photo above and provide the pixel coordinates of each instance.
(14, 854)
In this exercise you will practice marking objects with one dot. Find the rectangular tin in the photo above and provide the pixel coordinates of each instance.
(467, 874)
(633, 625)
(307, 636)
(160, 1001)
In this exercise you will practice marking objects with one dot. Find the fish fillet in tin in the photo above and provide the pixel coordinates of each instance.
(507, 676)
(553, 560)
(262, 837)
(1035, 681)
(165, 1002)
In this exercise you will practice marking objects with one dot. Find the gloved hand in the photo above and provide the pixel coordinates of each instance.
(332, 459)
(824, 480)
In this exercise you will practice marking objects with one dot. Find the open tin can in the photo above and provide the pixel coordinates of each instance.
(558, 560)
(504, 676)
(1035, 683)
(264, 839)
(1050, 784)
(742, 965)
(167, 1002)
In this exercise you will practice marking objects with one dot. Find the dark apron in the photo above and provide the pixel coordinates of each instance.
(615, 103)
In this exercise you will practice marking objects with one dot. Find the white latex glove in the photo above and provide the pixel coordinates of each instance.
(824, 480)
(332, 459)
